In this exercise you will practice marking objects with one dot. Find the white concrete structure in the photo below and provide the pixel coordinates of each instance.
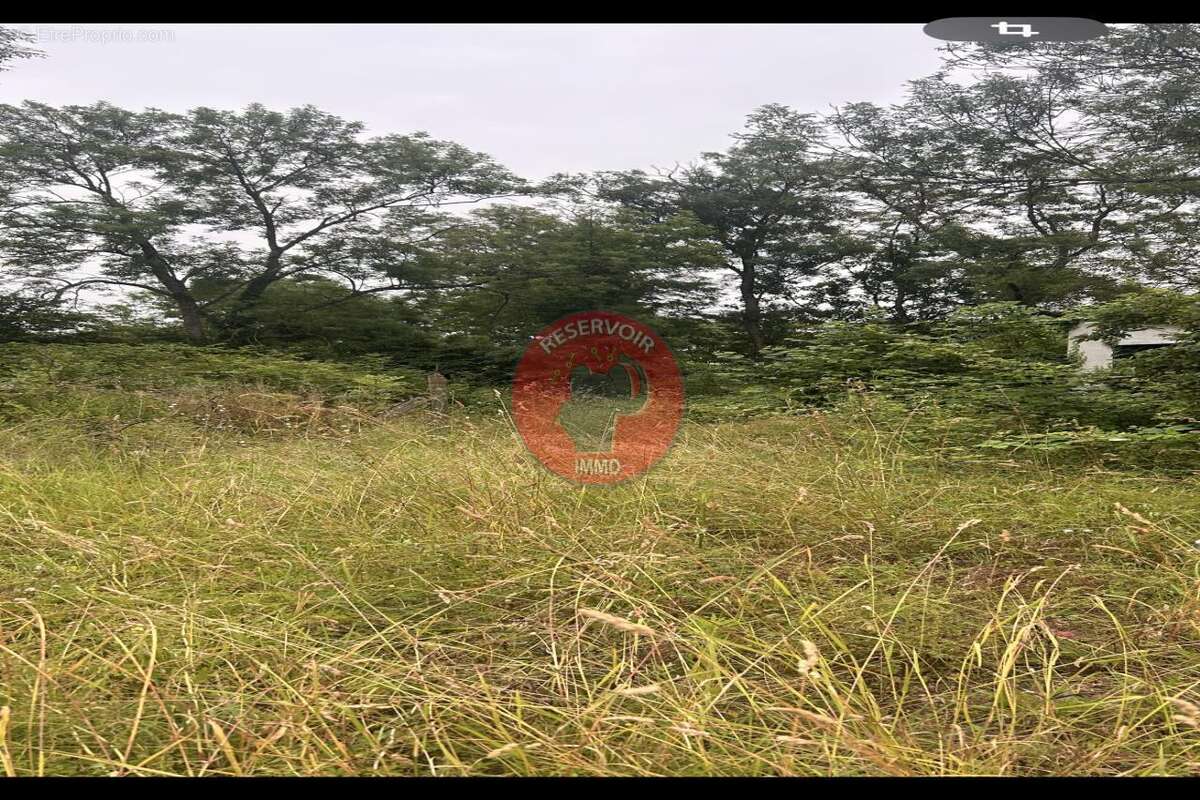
(1099, 355)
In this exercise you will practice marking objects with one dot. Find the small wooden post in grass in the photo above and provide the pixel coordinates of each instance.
(439, 395)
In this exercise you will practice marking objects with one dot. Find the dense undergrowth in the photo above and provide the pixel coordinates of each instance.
(229, 564)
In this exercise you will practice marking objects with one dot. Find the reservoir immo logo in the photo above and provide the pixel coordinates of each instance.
(597, 397)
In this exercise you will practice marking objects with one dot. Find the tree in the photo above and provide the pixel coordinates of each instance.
(1063, 221)
(12, 46)
(1011, 179)
(519, 268)
(76, 196)
(23, 317)
(1130, 129)
(768, 202)
(164, 203)
(322, 318)
(907, 214)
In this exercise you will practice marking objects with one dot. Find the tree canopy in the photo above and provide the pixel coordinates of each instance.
(1051, 176)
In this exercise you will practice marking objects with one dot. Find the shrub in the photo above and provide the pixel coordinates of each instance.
(168, 366)
(106, 381)
(1000, 366)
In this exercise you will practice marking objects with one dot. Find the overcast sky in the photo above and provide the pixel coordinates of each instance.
(539, 98)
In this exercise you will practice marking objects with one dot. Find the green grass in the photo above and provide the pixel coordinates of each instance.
(205, 593)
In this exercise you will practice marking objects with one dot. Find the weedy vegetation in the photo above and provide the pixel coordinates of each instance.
(254, 575)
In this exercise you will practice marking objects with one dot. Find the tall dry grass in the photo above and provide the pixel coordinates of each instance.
(788, 596)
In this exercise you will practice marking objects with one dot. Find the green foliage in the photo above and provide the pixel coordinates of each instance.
(521, 266)
(767, 204)
(153, 195)
(1096, 437)
(1145, 309)
(1168, 377)
(23, 317)
(991, 369)
(320, 319)
(1007, 330)
(39, 380)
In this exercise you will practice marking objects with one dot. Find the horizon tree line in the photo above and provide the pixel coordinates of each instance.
(1048, 176)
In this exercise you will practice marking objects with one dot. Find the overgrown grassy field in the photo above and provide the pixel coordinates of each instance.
(256, 584)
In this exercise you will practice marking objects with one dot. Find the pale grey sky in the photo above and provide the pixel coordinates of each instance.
(539, 98)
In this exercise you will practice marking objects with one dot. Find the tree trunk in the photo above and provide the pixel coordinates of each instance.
(751, 310)
(239, 321)
(189, 309)
(899, 312)
(193, 321)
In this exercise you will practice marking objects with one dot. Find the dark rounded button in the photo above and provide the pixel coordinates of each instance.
(1015, 29)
